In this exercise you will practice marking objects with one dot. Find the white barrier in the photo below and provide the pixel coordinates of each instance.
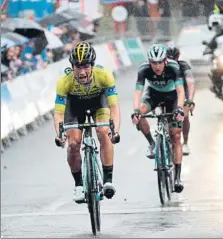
(30, 96)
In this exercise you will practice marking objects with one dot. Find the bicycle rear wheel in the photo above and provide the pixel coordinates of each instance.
(93, 203)
(161, 175)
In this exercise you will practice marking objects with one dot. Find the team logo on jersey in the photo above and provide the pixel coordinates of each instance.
(111, 91)
(67, 71)
(160, 82)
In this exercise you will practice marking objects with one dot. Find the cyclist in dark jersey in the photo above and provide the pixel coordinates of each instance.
(164, 85)
(189, 87)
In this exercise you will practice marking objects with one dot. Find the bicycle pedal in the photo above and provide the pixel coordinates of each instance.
(171, 168)
(155, 169)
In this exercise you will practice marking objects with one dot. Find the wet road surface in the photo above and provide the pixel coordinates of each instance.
(36, 199)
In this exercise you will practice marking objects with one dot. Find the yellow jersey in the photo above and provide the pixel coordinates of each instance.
(103, 82)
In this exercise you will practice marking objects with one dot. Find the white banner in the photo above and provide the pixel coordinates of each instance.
(6, 124)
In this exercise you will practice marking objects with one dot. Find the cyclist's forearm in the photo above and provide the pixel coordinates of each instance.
(191, 90)
(57, 118)
(180, 96)
(115, 115)
(137, 99)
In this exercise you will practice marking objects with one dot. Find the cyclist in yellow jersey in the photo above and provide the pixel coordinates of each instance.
(84, 87)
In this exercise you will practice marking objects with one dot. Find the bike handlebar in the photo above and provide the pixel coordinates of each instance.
(63, 128)
(157, 116)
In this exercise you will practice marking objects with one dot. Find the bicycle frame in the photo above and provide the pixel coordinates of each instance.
(162, 129)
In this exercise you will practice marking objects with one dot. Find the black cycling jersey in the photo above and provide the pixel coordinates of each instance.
(167, 82)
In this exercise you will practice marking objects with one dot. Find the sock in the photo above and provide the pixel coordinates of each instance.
(177, 171)
(78, 178)
(108, 172)
(150, 138)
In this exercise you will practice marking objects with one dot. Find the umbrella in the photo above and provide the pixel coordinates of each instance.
(27, 28)
(6, 43)
(53, 40)
(16, 38)
(75, 25)
(61, 17)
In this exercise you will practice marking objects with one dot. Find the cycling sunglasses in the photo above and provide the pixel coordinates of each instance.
(157, 62)
(83, 66)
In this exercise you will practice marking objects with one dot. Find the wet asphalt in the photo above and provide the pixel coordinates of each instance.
(36, 184)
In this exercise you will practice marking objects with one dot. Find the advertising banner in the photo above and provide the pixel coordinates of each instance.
(135, 50)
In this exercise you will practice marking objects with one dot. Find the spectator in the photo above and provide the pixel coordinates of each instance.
(8, 56)
(15, 65)
(50, 56)
(29, 61)
(164, 9)
(140, 11)
(96, 25)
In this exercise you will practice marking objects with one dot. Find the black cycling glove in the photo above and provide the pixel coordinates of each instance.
(136, 113)
(178, 111)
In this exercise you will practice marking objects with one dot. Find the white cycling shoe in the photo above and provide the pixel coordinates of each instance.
(186, 150)
(150, 152)
(78, 196)
(109, 190)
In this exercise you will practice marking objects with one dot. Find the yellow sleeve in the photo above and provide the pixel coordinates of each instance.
(61, 95)
(110, 88)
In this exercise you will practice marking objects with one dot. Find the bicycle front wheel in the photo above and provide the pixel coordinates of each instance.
(170, 173)
(93, 203)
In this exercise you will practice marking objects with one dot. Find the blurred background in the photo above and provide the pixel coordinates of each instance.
(38, 33)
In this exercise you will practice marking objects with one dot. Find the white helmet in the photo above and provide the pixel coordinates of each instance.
(215, 20)
(157, 52)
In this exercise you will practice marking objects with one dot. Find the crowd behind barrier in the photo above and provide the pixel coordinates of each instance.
(21, 59)
(30, 97)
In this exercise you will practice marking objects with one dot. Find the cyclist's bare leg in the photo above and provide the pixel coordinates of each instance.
(186, 125)
(106, 151)
(177, 146)
(143, 123)
(107, 154)
(73, 154)
(186, 130)
(176, 140)
(145, 128)
(106, 147)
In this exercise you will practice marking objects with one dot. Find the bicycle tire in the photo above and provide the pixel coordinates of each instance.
(161, 176)
(91, 193)
(171, 168)
(98, 216)
(168, 172)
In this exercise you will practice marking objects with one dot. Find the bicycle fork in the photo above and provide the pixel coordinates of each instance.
(166, 164)
(91, 145)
